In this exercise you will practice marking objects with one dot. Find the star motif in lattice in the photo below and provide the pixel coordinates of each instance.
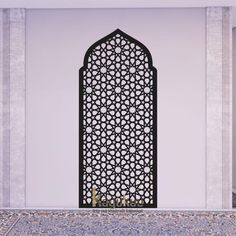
(118, 121)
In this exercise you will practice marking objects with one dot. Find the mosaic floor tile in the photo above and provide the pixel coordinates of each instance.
(122, 222)
(7, 220)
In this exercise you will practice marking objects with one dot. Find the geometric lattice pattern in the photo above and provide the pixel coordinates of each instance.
(118, 122)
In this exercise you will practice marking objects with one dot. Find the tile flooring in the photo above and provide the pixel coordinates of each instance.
(116, 222)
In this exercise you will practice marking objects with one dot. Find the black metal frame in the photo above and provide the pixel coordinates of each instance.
(154, 133)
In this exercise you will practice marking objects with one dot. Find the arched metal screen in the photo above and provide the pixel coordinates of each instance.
(118, 124)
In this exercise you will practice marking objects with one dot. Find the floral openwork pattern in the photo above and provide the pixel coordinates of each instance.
(118, 122)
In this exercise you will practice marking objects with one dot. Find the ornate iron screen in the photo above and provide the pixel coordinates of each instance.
(118, 124)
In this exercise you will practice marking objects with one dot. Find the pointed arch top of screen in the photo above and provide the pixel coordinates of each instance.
(111, 35)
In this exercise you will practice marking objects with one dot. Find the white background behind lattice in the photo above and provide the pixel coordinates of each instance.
(56, 43)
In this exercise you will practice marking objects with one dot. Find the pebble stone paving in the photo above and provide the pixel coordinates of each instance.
(116, 222)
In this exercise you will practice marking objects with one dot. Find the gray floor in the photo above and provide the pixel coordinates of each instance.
(116, 222)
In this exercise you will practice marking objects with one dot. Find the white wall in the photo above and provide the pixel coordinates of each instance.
(112, 4)
(56, 43)
(234, 110)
